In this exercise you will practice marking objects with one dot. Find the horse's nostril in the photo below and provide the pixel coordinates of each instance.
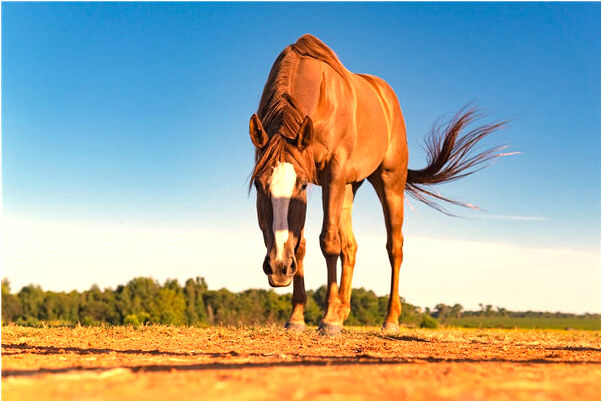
(267, 268)
(293, 267)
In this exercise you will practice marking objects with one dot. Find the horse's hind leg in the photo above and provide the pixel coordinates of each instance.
(389, 186)
(296, 322)
(348, 251)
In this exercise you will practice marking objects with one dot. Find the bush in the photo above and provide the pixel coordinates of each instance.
(131, 319)
(88, 321)
(28, 321)
(143, 318)
(429, 322)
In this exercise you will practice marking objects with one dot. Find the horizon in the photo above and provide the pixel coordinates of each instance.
(126, 153)
(182, 284)
(98, 245)
(209, 288)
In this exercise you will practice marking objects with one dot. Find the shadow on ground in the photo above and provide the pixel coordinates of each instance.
(299, 360)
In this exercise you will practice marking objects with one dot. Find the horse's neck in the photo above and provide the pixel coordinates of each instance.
(305, 85)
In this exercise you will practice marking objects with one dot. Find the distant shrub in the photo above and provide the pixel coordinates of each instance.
(60, 323)
(88, 321)
(131, 319)
(28, 322)
(143, 318)
(428, 322)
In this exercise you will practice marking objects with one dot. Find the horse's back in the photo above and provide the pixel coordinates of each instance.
(354, 115)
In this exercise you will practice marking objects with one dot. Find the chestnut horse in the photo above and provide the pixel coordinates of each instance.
(319, 123)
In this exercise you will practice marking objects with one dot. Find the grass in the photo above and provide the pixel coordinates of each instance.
(590, 324)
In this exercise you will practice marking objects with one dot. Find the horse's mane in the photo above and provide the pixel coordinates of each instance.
(279, 112)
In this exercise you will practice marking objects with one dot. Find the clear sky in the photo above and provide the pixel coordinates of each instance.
(125, 147)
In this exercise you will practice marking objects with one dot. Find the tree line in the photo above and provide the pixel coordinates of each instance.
(144, 300)
(442, 312)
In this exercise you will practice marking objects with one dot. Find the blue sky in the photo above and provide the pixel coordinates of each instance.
(136, 115)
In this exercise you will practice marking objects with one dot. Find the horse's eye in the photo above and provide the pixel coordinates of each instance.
(303, 186)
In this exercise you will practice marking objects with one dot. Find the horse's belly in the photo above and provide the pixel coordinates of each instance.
(372, 134)
(366, 157)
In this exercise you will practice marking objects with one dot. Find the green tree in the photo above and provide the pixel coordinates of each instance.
(221, 306)
(504, 313)
(50, 306)
(68, 306)
(489, 310)
(194, 291)
(11, 305)
(319, 296)
(456, 310)
(170, 305)
(442, 311)
(139, 296)
(92, 307)
(410, 314)
(278, 307)
(312, 311)
(32, 300)
(364, 308)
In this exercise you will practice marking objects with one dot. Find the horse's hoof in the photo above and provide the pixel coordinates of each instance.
(390, 328)
(295, 326)
(329, 329)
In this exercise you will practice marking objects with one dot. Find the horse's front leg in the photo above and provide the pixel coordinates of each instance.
(333, 194)
(348, 250)
(296, 322)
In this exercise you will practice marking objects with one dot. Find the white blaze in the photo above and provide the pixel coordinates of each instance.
(282, 185)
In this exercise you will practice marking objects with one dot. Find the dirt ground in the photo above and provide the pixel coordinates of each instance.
(267, 363)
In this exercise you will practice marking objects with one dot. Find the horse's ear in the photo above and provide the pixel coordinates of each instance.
(258, 134)
(306, 132)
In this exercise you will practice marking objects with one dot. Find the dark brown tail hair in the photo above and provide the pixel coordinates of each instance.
(449, 157)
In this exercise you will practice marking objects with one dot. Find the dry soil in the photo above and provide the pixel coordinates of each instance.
(267, 363)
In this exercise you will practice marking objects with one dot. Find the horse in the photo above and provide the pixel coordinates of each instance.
(318, 123)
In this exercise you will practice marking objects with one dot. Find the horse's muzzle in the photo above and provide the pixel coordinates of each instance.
(280, 273)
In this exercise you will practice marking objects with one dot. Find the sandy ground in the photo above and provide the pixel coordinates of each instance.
(178, 363)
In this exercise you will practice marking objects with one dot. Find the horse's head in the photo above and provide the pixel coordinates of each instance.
(281, 182)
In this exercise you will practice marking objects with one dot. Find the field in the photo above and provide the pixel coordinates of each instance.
(267, 363)
(525, 322)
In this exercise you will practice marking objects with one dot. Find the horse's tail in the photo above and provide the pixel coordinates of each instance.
(450, 158)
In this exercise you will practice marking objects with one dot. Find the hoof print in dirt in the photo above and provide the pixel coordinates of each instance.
(329, 329)
(390, 328)
(295, 327)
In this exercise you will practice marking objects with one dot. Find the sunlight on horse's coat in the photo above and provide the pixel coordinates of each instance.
(282, 185)
(340, 129)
